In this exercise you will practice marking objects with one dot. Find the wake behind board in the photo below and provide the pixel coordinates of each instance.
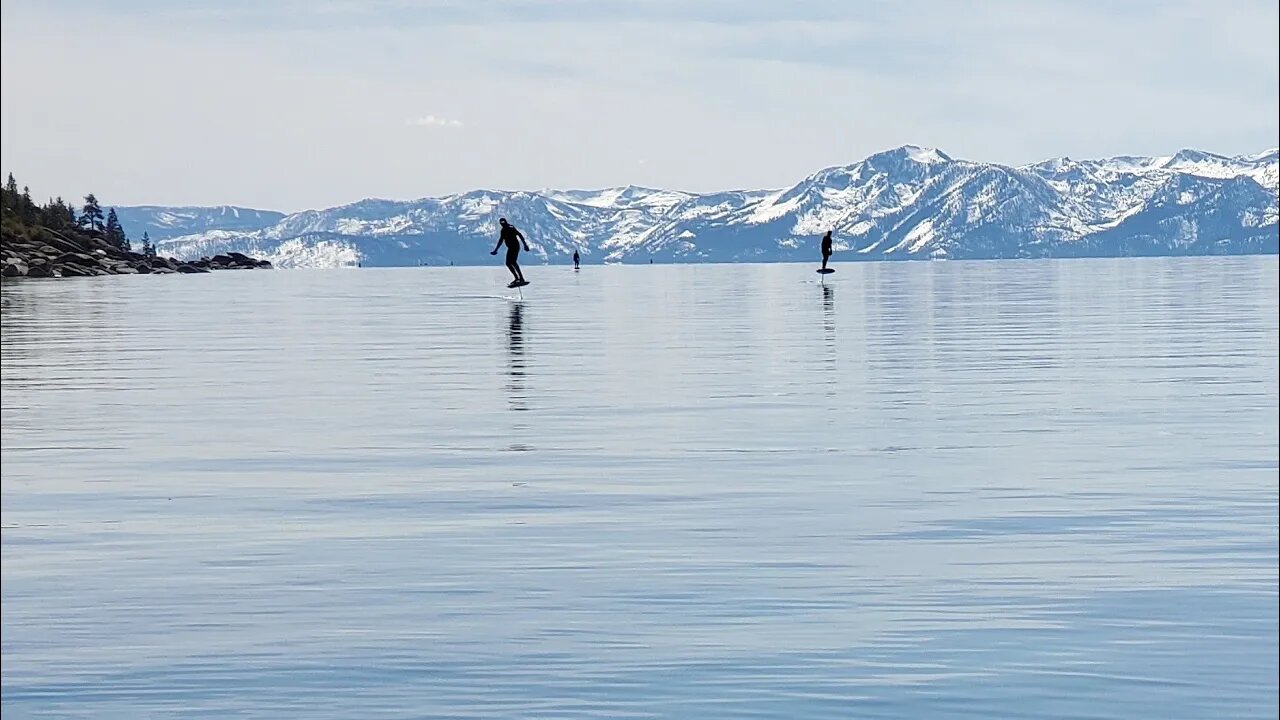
(826, 271)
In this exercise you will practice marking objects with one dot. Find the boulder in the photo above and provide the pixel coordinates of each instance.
(126, 270)
(162, 270)
(48, 250)
(15, 268)
(189, 268)
(78, 258)
(38, 271)
(72, 270)
(62, 244)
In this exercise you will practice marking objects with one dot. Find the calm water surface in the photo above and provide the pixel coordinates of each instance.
(1042, 489)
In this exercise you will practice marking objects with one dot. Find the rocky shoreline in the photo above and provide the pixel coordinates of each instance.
(54, 254)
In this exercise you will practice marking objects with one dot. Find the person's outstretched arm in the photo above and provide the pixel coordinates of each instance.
(494, 251)
(522, 242)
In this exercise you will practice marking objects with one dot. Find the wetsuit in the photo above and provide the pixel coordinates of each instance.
(511, 237)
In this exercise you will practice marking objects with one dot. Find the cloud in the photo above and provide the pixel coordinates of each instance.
(434, 121)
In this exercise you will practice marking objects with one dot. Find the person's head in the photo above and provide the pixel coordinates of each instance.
(502, 221)
(828, 233)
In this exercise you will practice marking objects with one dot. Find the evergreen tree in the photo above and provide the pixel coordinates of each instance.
(9, 197)
(27, 209)
(58, 214)
(148, 248)
(91, 216)
(54, 214)
(115, 233)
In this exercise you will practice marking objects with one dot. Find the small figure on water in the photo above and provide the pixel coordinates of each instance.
(575, 259)
(513, 239)
(826, 249)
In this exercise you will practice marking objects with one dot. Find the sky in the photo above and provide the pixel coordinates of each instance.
(290, 104)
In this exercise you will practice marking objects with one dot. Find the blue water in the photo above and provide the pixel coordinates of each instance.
(922, 490)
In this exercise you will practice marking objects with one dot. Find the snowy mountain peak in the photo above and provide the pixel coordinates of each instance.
(1188, 155)
(1264, 157)
(912, 159)
(162, 222)
(908, 154)
(923, 155)
(618, 197)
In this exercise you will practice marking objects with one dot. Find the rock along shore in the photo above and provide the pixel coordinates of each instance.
(54, 254)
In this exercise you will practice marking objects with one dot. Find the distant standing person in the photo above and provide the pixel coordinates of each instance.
(826, 249)
(513, 239)
(575, 259)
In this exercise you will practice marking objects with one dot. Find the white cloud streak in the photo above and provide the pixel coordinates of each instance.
(434, 122)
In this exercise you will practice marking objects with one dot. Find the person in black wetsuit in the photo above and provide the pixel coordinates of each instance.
(826, 249)
(513, 239)
(575, 259)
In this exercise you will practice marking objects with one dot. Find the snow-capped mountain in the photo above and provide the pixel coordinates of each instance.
(162, 223)
(905, 203)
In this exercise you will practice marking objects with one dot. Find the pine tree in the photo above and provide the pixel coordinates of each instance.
(51, 214)
(91, 216)
(11, 186)
(27, 209)
(57, 214)
(115, 233)
(148, 248)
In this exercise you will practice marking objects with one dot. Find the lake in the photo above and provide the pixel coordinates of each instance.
(1017, 489)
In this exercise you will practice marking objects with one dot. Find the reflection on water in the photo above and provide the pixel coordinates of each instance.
(1001, 489)
(515, 351)
(829, 338)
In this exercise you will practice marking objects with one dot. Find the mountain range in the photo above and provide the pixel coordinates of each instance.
(906, 203)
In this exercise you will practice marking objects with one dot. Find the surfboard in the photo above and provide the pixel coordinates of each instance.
(518, 284)
(826, 271)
